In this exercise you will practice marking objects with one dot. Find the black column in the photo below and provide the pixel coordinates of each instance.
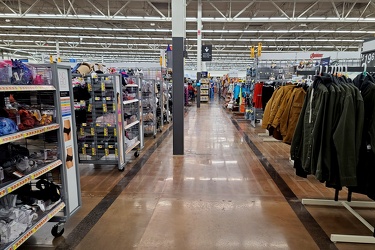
(178, 95)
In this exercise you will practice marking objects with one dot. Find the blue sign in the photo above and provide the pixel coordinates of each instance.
(204, 74)
(72, 60)
(325, 61)
(24, 60)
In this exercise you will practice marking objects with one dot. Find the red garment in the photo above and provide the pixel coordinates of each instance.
(257, 97)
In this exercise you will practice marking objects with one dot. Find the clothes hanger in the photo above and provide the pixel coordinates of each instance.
(364, 69)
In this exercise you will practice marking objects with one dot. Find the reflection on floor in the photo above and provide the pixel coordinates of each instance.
(217, 196)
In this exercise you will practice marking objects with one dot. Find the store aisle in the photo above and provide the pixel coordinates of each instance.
(217, 196)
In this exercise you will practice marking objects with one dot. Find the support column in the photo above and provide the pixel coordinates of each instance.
(178, 34)
(199, 50)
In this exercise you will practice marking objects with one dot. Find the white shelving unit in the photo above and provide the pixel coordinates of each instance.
(149, 115)
(132, 113)
(205, 88)
(68, 176)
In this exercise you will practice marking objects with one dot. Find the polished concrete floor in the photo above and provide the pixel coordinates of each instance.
(230, 190)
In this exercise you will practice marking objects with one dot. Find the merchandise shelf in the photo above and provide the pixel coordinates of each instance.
(7, 88)
(9, 186)
(44, 218)
(132, 147)
(131, 101)
(28, 133)
(131, 86)
(131, 124)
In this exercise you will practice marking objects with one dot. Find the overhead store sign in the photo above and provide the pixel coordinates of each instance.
(316, 55)
(368, 58)
(206, 52)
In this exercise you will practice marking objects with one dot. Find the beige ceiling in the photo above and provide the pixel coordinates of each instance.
(137, 30)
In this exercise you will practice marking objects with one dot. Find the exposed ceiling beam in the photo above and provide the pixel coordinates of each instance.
(309, 8)
(1, 1)
(244, 9)
(93, 5)
(156, 9)
(126, 4)
(192, 19)
(71, 7)
(334, 7)
(57, 7)
(217, 10)
(28, 10)
(365, 9)
(350, 10)
(277, 7)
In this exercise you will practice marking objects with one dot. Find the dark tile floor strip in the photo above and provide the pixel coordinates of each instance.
(81, 230)
(314, 229)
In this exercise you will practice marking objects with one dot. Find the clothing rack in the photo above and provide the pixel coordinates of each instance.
(348, 203)
(346, 69)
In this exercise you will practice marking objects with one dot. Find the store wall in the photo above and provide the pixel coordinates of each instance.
(315, 55)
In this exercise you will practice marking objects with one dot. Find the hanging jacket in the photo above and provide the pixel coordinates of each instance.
(275, 124)
(274, 104)
(289, 118)
(365, 167)
(347, 134)
(307, 137)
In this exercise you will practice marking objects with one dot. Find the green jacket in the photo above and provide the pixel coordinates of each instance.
(307, 136)
(329, 131)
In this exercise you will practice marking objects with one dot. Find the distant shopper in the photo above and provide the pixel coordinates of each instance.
(191, 90)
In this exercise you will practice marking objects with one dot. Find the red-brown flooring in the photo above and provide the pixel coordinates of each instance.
(216, 196)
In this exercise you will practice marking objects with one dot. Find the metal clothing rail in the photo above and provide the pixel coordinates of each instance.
(347, 69)
(349, 205)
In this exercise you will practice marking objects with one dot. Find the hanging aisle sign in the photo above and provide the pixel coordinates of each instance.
(206, 53)
(368, 58)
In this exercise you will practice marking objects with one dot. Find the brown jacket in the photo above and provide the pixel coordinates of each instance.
(274, 105)
(289, 118)
(288, 90)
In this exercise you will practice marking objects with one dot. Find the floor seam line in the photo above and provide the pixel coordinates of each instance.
(311, 225)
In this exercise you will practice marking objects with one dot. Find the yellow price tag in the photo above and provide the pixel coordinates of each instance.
(116, 153)
(115, 132)
(84, 124)
(106, 152)
(89, 108)
(97, 98)
(93, 151)
(82, 131)
(92, 131)
(105, 108)
(103, 86)
(84, 151)
(89, 87)
(105, 131)
(100, 146)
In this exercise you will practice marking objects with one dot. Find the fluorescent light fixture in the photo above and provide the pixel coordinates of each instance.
(278, 18)
(316, 18)
(259, 18)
